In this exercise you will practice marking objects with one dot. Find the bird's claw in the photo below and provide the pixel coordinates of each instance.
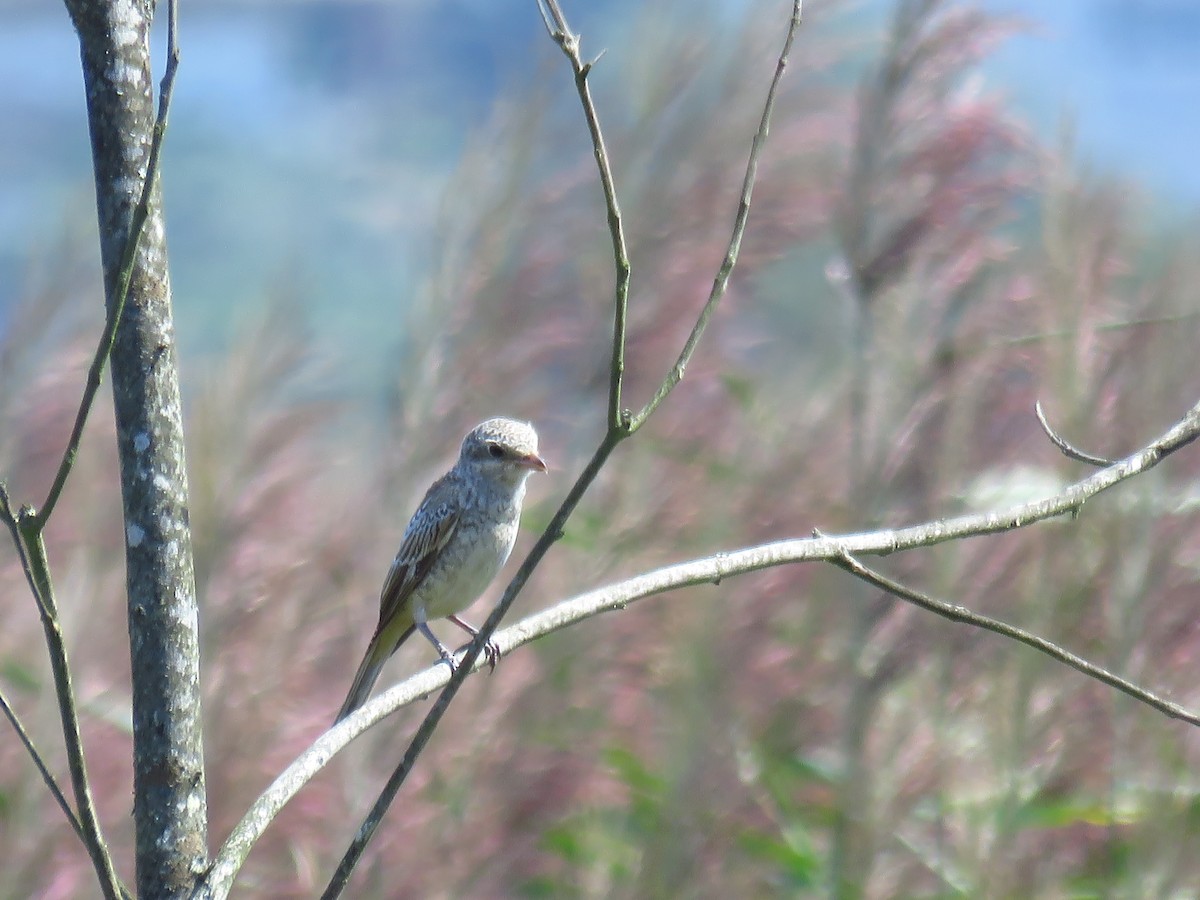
(491, 650)
(491, 653)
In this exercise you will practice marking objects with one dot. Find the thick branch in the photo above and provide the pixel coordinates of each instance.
(170, 804)
(27, 528)
(124, 277)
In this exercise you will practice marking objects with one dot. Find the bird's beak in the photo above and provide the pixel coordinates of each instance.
(533, 462)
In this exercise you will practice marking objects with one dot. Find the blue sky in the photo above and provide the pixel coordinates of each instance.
(286, 114)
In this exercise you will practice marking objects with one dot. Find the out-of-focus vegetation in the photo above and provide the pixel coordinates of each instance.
(913, 255)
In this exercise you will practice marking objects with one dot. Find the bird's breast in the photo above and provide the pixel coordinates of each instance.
(473, 557)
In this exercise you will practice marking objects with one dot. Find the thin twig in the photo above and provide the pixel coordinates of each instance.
(560, 32)
(721, 282)
(47, 776)
(708, 570)
(11, 520)
(1068, 450)
(956, 613)
(31, 550)
(68, 709)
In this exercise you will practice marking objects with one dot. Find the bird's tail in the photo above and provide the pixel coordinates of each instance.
(368, 671)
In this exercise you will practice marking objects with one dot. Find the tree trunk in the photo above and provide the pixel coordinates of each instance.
(170, 805)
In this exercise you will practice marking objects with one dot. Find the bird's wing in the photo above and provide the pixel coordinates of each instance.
(426, 536)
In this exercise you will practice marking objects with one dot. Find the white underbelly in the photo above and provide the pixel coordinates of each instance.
(465, 574)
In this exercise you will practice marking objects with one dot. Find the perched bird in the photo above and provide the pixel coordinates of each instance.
(455, 544)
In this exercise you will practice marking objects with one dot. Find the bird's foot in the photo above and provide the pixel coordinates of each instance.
(491, 653)
(491, 650)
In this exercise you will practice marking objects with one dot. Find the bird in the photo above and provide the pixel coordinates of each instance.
(457, 541)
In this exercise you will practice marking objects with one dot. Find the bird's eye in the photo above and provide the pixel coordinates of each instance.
(495, 451)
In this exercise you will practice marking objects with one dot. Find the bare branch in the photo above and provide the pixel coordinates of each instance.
(1068, 450)
(27, 536)
(961, 614)
(838, 549)
(12, 522)
(43, 770)
(560, 33)
(721, 281)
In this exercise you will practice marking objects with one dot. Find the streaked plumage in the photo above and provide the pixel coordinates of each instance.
(455, 544)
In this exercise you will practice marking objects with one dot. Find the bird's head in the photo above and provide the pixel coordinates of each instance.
(506, 447)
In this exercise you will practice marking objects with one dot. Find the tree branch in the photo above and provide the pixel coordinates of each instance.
(27, 526)
(1068, 450)
(713, 569)
(51, 781)
(560, 33)
(721, 281)
(14, 527)
(124, 274)
(170, 803)
(27, 537)
(965, 616)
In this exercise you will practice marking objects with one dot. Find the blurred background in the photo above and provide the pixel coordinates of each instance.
(385, 225)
